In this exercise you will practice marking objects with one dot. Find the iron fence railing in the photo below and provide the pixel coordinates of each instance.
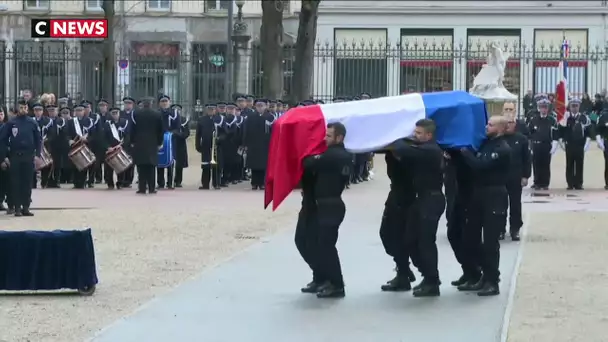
(198, 74)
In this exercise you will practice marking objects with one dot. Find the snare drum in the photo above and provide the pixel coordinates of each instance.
(81, 156)
(119, 160)
(45, 159)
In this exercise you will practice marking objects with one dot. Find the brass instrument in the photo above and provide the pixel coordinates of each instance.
(214, 148)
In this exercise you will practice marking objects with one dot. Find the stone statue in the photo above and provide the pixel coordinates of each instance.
(488, 84)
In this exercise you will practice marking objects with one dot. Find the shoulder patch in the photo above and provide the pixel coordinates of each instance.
(494, 155)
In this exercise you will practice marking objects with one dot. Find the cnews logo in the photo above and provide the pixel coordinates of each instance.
(69, 28)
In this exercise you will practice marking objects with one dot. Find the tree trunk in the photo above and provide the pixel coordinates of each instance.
(109, 54)
(305, 44)
(271, 41)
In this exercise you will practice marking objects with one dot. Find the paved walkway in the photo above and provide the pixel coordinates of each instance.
(255, 296)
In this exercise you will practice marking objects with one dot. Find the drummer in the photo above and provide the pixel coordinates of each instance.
(114, 133)
(77, 131)
(67, 174)
(44, 125)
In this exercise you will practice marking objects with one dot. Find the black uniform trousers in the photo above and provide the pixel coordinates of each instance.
(330, 213)
(108, 175)
(393, 228)
(5, 188)
(541, 163)
(422, 235)
(575, 158)
(129, 176)
(79, 178)
(307, 240)
(210, 174)
(258, 177)
(146, 177)
(50, 177)
(487, 219)
(179, 175)
(160, 177)
(514, 190)
(21, 172)
(92, 171)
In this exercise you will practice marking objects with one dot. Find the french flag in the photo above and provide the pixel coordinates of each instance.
(561, 91)
(371, 125)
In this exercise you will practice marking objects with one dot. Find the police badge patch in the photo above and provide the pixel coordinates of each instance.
(15, 131)
(494, 155)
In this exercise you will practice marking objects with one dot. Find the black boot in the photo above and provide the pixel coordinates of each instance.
(312, 287)
(463, 279)
(471, 285)
(501, 236)
(489, 289)
(400, 283)
(515, 236)
(427, 288)
(331, 291)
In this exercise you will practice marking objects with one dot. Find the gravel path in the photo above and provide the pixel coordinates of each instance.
(560, 294)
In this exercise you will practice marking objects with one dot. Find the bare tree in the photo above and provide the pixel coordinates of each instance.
(305, 44)
(109, 53)
(271, 41)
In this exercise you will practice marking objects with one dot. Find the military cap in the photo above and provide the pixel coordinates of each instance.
(139, 102)
(114, 109)
(230, 104)
(65, 110)
(163, 98)
(320, 102)
(543, 102)
(257, 101)
(221, 104)
(176, 106)
(279, 102)
(303, 104)
(63, 99)
(102, 101)
(250, 97)
(128, 99)
(85, 103)
(78, 107)
(356, 98)
(51, 106)
(540, 96)
(240, 97)
(210, 105)
(574, 100)
(37, 105)
(337, 99)
(365, 95)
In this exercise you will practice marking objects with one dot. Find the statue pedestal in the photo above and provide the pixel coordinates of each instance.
(494, 107)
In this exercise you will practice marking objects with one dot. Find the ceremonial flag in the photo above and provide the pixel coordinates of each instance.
(371, 125)
(561, 91)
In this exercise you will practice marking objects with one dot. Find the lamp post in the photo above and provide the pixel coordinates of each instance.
(240, 39)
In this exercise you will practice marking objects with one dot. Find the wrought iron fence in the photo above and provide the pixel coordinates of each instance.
(198, 75)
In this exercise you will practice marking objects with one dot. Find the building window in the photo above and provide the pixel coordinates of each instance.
(427, 60)
(159, 5)
(36, 4)
(360, 63)
(209, 72)
(94, 5)
(548, 53)
(257, 81)
(478, 48)
(41, 66)
(154, 70)
(91, 69)
(219, 5)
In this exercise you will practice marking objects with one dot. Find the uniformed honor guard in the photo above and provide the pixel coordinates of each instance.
(58, 147)
(256, 141)
(230, 148)
(44, 125)
(180, 145)
(575, 136)
(5, 182)
(171, 123)
(67, 172)
(488, 209)
(519, 173)
(78, 130)
(115, 131)
(146, 139)
(544, 143)
(219, 118)
(127, 113)
(21, 142)
(95, 141)
(206, 144)
(602, 139)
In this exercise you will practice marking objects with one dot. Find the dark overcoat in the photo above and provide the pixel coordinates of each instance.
(145, 136)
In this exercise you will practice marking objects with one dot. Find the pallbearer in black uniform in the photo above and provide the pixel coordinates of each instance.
(180, 145)
(44, 124)
(146, 139)
(115, 131)
(575, 134)
(58, 146)
(256, 140)
(171, 123)
(204, 143)
(230, 148)
(543, 143)
(127, 113)
(78, 128)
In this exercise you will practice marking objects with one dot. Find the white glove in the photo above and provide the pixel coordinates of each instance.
(561, 144)
(600, 142)
(554, 146)
(587, 142)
